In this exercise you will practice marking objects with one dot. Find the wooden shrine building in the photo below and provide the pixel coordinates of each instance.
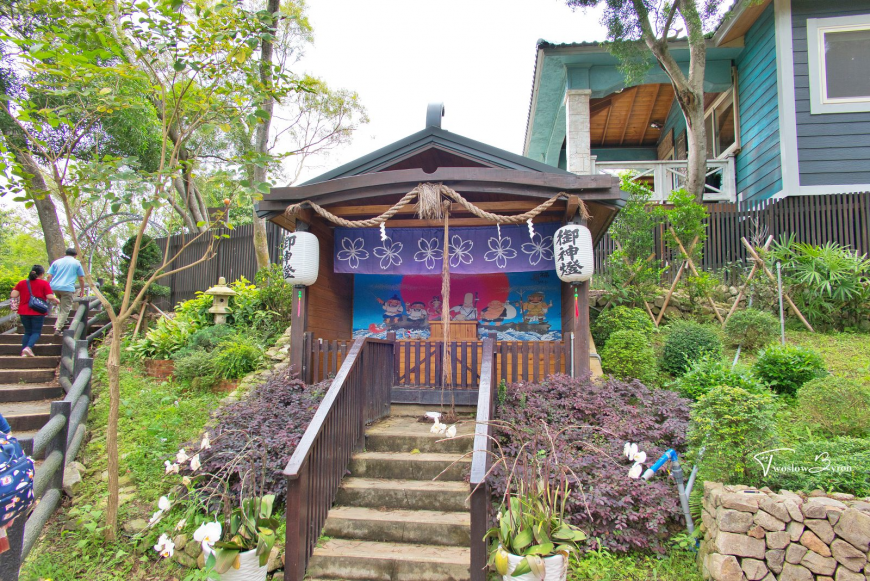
(384, 280)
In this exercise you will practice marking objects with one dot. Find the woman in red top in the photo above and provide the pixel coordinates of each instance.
(32, 320)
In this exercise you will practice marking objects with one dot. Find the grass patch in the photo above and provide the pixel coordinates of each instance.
(602, 565)
(156, 419)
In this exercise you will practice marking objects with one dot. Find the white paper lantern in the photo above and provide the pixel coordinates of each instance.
(301, 253)
(574, 253)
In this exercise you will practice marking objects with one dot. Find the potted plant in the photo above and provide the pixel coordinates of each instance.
(249, 537)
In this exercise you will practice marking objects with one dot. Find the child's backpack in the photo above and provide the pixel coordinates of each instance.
(16, 480)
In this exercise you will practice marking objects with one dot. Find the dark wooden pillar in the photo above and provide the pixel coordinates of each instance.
(581, 330)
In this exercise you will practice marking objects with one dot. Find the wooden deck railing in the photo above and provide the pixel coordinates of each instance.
(481, 504)
(59, 440)
(359, 394)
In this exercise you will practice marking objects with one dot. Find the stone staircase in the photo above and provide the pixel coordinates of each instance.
(28, 385)
(391, 521)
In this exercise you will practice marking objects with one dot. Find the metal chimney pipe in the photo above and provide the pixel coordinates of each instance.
(434, 113)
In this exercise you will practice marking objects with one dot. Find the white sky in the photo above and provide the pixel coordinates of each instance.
(475, 56)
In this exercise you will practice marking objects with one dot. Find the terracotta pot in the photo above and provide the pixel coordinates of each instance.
(159, 368)
(249, 569)
(556, 569)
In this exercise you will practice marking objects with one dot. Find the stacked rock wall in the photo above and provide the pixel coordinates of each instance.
(757, 535)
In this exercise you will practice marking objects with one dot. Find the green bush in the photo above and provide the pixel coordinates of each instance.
(237, 356)
(751, 328)
(837, 405)
(196, 366)
(629, 355)
(276, 294)
(248, 310)
(621, 319)
(686, 343)
(709, 372)
(164, 339)
(835, 465)
(787, 367)
(732, 425)
(208, 338)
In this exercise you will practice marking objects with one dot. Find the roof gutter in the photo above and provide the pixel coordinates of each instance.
(530, 118)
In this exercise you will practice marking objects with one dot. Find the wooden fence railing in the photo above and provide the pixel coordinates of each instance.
(481, 461)
(60, 438)
(359, 394)
(419, 363)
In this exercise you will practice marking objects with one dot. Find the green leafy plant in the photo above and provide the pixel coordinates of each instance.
(237, 356)
(166, 337)
(839, 406)
(210, 337)
(829, 283)
(251, 526)
(149, 260)
(751, 328)
(532, 519)
(196, 366)
(686, 343)
(785, 368)
(686, 216)
(629, 355)
(732, 425)
(837, 464)
(621, 318)
(709, 372)
(276, 294)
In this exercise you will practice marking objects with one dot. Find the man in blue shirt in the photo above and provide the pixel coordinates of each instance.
(62, 275)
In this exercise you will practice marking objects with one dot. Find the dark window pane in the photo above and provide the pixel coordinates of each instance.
(847, 64)
(724, 125)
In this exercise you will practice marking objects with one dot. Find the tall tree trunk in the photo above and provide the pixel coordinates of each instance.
(113, 368)
(696, 147)
(261, 136)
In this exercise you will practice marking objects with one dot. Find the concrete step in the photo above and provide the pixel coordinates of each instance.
(30, 392)
(405, 433)
(399, 526)
(366, 560)
(15, 339)
(40, 349)
(417, 410)
(19, 362)
(407, 466)
(27, 415)
(27, 375)
(49, 329)
(403, 494)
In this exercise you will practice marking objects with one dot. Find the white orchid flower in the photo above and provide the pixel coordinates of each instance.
(635, 471)
(640, 457)
(208, 534)
(181, 524)
(626, 450)
(206, 443)
(434, 415)
(171, 468)
(163, 504)
(164, 546)
(442, 428)
(155, 517)
(632, 451)
(436, 427)
(195, 463)
(451, 431)
(182, 456)
(186, 480)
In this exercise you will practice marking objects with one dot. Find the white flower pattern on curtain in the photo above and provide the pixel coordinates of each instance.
(540, 248)
(353, 251)
(499, 251)
(460, 251)
(389, 253)
(429, 253)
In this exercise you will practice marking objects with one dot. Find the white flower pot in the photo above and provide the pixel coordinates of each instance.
(249, 569)
(556, 569)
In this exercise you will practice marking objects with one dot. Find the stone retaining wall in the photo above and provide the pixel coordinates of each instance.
(757, 535)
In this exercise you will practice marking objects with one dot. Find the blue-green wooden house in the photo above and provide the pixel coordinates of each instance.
(787, 102)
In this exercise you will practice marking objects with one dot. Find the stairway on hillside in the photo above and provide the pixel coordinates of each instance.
(28, 385)
(391, 521)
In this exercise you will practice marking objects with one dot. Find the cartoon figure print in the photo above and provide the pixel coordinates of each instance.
(417, 314)
(535, 309)
(393, 309)
(434, 309)
(467, 311)
(496, 312)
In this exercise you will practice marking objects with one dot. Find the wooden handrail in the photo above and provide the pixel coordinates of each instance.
(481, 462)
(359, 394)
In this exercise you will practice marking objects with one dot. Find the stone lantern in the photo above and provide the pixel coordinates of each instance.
(221, 307)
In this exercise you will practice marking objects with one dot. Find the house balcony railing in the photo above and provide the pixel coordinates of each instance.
(669, 175)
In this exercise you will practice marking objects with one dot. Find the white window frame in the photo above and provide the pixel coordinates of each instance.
(734, 147)
(820, 103)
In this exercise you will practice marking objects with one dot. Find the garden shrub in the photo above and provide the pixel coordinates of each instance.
(196, 366)
(620, 411)
(164, 339)
(732, 425)
(208, 338)
(237, 356)
(837, 405)
(835, 465)
(787, 367)
(277, 413)
(686, 343)
(276, 294)
(629, 355)
(751, 328)
(621, 319)
(709, 372)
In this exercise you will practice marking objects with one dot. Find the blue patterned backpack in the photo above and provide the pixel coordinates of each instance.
(16, 480)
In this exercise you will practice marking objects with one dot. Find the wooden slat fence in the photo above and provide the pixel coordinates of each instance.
(840, 218)
(234, 258)
(419, 363)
